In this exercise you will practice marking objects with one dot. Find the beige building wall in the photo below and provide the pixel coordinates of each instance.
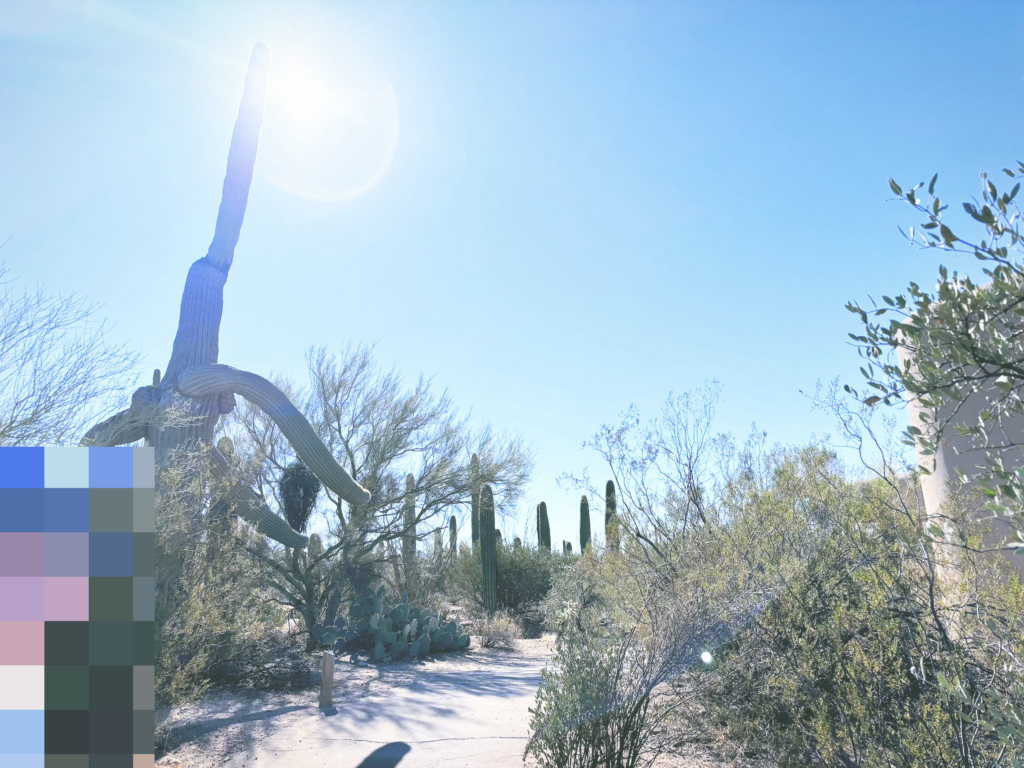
(963, 453)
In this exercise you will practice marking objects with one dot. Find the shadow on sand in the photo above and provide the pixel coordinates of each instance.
(387, 756)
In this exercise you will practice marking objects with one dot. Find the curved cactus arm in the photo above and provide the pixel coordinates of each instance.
(120, 429)
(211, 379)
(254, 510)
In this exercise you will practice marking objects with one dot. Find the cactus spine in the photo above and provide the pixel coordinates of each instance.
(453, 536)
(543, 529)
(584, 524)
(474, 498)
(409, 536)
(488, 550)
(611, 522)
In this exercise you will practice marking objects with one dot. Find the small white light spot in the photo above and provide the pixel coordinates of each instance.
(706, 657)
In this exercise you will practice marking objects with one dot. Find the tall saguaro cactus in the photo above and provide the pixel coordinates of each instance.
(453, 536)
(474, 499)
(611, 522)
(488, 549)
(409, 534)
(543, 529)
(584, 524)
(194, 381)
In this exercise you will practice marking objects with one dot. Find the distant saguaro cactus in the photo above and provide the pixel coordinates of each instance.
(298, 488)
(611, 522)
(497, 536)
(584, 524)
(543, 529)
(409, 536)
(488, 550)
(453, 536)
(566, 547)
(517, 542)
(474, 498)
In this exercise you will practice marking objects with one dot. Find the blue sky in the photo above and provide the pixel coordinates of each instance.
(555, 209)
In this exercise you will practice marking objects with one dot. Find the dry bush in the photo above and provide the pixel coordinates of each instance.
(500, 631)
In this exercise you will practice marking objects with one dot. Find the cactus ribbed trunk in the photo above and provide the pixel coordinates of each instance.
(409, 536)
(488, 549)
(543, 529)
(474, 499)
(611, 522)
(453, 537)
(584, 524)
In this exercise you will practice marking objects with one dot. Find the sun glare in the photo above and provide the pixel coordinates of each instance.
(331, 135)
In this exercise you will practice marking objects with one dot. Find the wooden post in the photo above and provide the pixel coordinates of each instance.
(326, 679)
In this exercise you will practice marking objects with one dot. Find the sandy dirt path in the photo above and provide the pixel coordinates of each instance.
(466, 709)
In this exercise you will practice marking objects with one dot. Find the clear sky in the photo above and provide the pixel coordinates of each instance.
(555, 209)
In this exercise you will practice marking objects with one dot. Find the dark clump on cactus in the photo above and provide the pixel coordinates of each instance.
(391, 632)
(453, 536)
(584, 524)
(474, 498)
(298, 489)
(543, 529)
(488, 549)
(517, 542)
(611, 522)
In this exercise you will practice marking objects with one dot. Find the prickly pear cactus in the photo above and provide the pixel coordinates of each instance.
(488, 549)
(391, 632)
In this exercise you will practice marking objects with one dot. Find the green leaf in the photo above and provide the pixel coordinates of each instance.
(895, 187)
(931, 184)
(871, 401)
(947, 234)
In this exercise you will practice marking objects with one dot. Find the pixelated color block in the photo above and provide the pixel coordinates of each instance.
(21, 554)
(67, 598)
(21, 642)
(21, 509)
(67, 554)
(21, 687)
(67, 468)
(21, 731)
(21, 467)
(66, 510)
(21, 598)
(143, 471)
(110, 468)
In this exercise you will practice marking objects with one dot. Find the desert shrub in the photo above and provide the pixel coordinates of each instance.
(844, 665)
(602, 702)
(500, 631)
(525, 576)
(576, 599)
(214, 621)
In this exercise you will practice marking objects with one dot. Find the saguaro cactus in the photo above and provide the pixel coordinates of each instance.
(566, 547)
(543, 529)
(194, 382)
(474, 499)
(488, 550)
(409, 535)
(453, 536)
(611, 522)
(517, 542)
(584, 524)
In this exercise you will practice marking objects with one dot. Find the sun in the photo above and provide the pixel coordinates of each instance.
(331, 135)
